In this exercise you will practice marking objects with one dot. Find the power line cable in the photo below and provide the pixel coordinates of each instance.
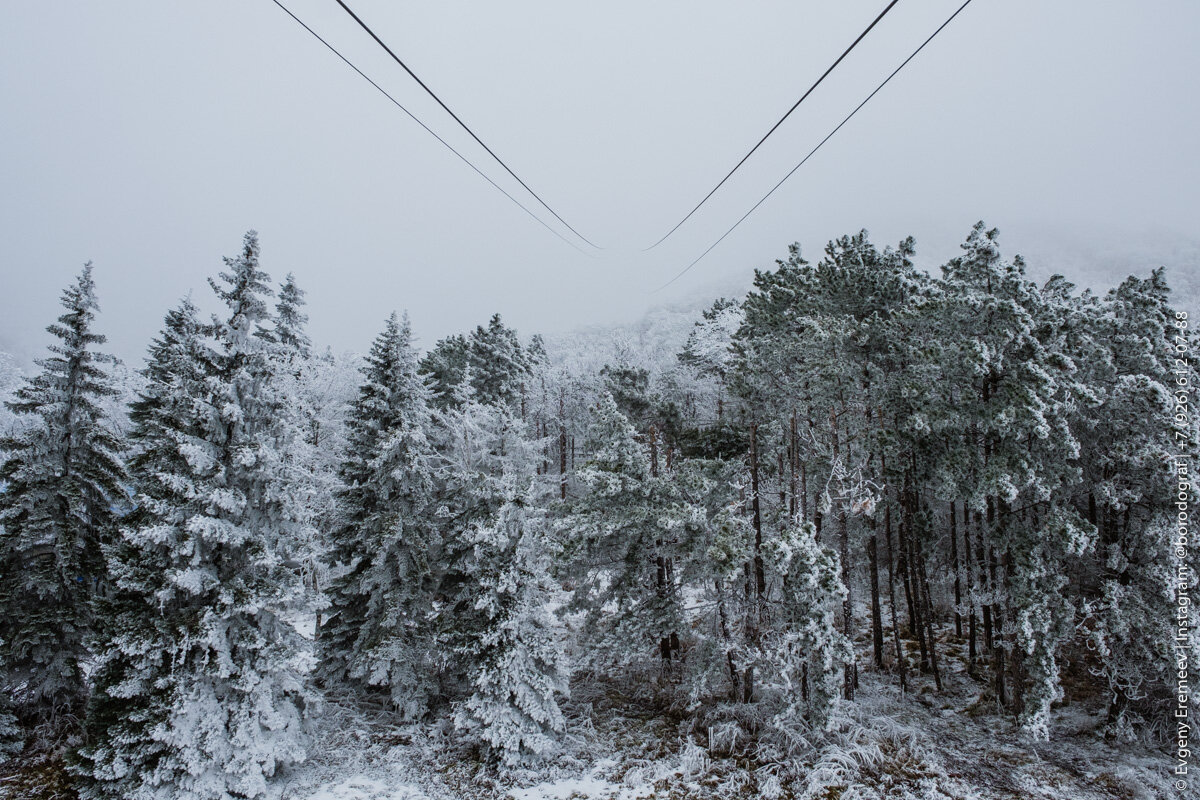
(736, 167)
(430, 92)
(428, 130)
(818, 147)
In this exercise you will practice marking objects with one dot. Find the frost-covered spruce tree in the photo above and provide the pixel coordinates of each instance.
(444, 368)
(297, 380)
(290, 320)
(377, 633)
(12, 739)
(616, 536)
(804, 650)
(200, 693)
(133, 688)
(325, 386)
(11, 379)
(503, 640)
(61, 480)
(499, 367)
(491, 359)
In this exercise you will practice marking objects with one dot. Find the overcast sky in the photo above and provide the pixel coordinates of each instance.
(148, 136)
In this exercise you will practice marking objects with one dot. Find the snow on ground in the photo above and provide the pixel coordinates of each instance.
(380, 785)
(590, 786)
(373, 787)
(924, 746)
(363, 787)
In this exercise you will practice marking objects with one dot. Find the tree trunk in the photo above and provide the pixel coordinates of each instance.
(928, 613)
(901, 661)
(660, 561)
(842, 515)
(851, 670)
(760, 578)
(793, 458)
(969, 572)
(876, 613)
(562, 449)
(958, 626)
(916, 625)
(985, 584)
(723, 618)
(998, 666)
(783, 501)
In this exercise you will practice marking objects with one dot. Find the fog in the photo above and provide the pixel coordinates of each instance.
(149, 136)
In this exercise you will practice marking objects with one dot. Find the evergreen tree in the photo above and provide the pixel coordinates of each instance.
(1017, 463)
(804, 652)
(325, 388)
(1135, 369)
(133, 691)
(491, 359)
(444, 368)
(290, 320)
(62, 481)
(619, 541)
(499, 367)
(376, 632)
(199, 693)
(313, 479)
(12, 739)
(505, 649)
(518, 669)
(708, 346)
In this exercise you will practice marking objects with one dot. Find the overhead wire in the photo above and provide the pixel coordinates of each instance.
(464, 126)
(428, 130)
(796, 105)
(819, 145)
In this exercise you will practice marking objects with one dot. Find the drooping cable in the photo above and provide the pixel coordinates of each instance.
(464, 126)
(803, 97)
(818, 147)
(428, 130)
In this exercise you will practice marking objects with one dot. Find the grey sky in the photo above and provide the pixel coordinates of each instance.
(148, 136)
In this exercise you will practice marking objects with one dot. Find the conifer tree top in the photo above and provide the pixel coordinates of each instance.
(247, 286)
(289, 320)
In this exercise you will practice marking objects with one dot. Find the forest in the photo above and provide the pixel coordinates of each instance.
(857, 503)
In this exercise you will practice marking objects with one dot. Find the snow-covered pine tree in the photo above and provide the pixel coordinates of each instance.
(325, 388)
(62, 480)
(290, 320)
(200, 692)
(133, 688)
(444, 367)
(376, 633)
(490, 358)
(499, 367)
(804, 652)
(1016, 464)
(504, 643)
(615, 536)
(11, 379)
(814, 360)
(314, 477)
(1126, 444)
(12, 738)
(518, 670)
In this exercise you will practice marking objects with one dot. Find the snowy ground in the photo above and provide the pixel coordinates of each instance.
(924, 748)
(927, 745)
(366, 786)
